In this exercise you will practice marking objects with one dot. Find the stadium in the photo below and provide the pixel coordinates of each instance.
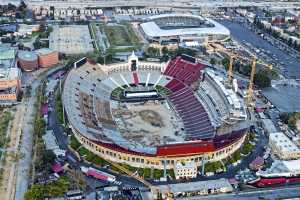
(152, 115)
(168, 28)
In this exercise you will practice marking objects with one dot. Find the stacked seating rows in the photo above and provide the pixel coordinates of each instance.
(103, 113)
(86, 109)
(195, 119)
(185, 71)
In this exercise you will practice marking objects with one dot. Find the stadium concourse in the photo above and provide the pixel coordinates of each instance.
(145, 113)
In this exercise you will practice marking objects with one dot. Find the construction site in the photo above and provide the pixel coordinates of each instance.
(149, 123)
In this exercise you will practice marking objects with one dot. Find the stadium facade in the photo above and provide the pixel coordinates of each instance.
(209, 121)
(167, 28)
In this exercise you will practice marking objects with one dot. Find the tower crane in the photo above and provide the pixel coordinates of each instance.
(232, 56)
(250, 87)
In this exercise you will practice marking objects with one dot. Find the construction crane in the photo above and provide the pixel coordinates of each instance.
(232, 56)
(250, 87)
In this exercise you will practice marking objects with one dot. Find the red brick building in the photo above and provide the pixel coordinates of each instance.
(47, 57)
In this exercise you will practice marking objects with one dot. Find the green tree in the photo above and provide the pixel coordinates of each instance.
(55, 189)
(262, 80)
(225, 63)
(153, 52)
(48, 156)
(108, 58)
(39, 126)
(212, 61)
(165, 51)
(245, 69)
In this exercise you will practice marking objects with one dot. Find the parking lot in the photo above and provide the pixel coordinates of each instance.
(71, 39)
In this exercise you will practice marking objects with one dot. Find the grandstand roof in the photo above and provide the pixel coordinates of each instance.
(153, 30)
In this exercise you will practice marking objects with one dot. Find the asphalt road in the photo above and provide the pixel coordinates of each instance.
(247, 36)
(24, 164)
(270, 194)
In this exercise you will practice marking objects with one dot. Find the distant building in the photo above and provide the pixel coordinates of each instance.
(10, 75)
(170, 28)
(186, 170)
(47, 57)
(283, 147)
(25, 29)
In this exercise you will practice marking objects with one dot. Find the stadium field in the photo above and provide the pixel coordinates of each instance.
(117, 36)
(121, 36)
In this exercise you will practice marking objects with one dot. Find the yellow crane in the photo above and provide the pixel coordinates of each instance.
(232, 56)
(250, 87)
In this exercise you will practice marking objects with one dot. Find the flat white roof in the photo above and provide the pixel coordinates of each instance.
(292, 165)
(197, 186)
(7, 74)
(283, 142)
(282, 168)
(151, 29)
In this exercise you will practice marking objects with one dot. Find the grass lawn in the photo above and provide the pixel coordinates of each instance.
(83, 151)
(117, 35)
(74, 143)
(121, 37)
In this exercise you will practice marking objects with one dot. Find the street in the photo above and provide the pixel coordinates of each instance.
(269, 193)
(245, 36)
(24, 164)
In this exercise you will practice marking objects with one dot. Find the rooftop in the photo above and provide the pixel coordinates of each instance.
(27, 55)
(9, 73)
(153, 30)
(283, 142)
(6, 54)
(44, 51)
(279, 167)
(197, 186)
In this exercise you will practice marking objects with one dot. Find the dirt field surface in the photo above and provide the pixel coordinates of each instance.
(149, 124)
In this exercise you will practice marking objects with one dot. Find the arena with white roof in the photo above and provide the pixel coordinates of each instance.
(183, 27)
(167, 116)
